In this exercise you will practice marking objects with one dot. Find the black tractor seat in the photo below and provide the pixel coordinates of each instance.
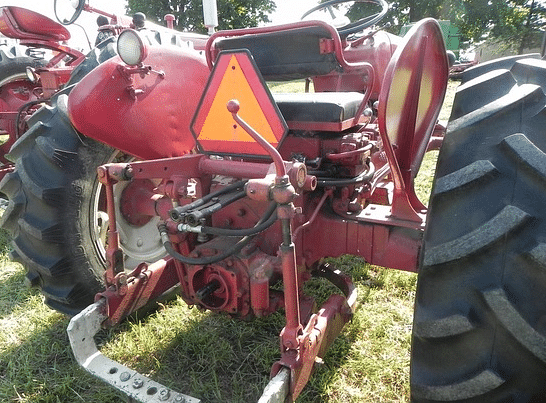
(287, 54)
(320, 111)
(298, 51)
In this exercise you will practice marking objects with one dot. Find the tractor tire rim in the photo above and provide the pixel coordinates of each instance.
(15, 77)
(139, 243)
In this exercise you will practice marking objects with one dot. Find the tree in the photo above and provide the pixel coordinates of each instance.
(515, 23)
(520, 24)
(189, 13)
(403, 12)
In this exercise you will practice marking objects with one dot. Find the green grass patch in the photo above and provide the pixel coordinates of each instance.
(212, 356)
(288, 86)
(445, 112)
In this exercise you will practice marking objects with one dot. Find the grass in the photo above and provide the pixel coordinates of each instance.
(289, 87)
(211, 356)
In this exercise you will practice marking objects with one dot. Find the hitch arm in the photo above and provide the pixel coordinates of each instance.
(81, 330)
(233, 107)
(84, 326)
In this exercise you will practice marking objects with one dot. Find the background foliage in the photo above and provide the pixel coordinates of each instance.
(517, 23)
(189, 13)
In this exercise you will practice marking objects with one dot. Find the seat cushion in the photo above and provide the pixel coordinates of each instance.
(322, 111)
(32, 24)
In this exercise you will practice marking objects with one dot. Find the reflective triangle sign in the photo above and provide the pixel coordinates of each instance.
(235, 76)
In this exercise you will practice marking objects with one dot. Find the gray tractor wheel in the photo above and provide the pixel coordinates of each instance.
(479, 331)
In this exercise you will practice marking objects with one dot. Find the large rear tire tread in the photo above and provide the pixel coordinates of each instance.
(13, 61)
(48, 208)
(48, 213)
(480, 313)
(504, 63)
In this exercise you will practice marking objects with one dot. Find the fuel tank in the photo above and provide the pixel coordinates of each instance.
(145, 115)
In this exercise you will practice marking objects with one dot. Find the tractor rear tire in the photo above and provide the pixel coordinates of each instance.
(505, 63)
(13, 63)
(479, 332)
(48, 211)
(52, 209)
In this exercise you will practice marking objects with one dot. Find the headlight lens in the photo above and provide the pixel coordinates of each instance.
(131, 48)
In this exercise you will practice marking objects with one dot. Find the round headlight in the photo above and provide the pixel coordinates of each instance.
(131, 48)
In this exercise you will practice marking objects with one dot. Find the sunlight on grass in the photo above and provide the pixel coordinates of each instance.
(369, 361)
(448, 101)
(288, 87)
(425, 177)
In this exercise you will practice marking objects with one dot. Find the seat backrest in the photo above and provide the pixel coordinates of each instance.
(287, 54)
(20, 23)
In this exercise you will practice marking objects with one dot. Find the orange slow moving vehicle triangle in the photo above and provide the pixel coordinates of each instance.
(235, 77)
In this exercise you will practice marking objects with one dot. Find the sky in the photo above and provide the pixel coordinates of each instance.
(291, 10)
(287, 11)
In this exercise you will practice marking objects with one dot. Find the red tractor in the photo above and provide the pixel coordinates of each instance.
(168, 168)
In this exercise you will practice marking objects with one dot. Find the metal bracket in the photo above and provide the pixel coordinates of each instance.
(81, 330)
(83, 327)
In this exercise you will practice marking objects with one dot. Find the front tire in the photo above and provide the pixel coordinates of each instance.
(479, 331)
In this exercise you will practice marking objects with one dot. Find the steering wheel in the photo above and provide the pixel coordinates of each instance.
(77, 5)
(356, 26)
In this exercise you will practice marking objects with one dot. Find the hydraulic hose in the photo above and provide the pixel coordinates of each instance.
(179, 211)
(193, 217)
(221, 256)
(240, 232)
(365, 176)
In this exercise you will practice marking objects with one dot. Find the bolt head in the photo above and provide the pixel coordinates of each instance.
(164, 394)
(125, 376)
